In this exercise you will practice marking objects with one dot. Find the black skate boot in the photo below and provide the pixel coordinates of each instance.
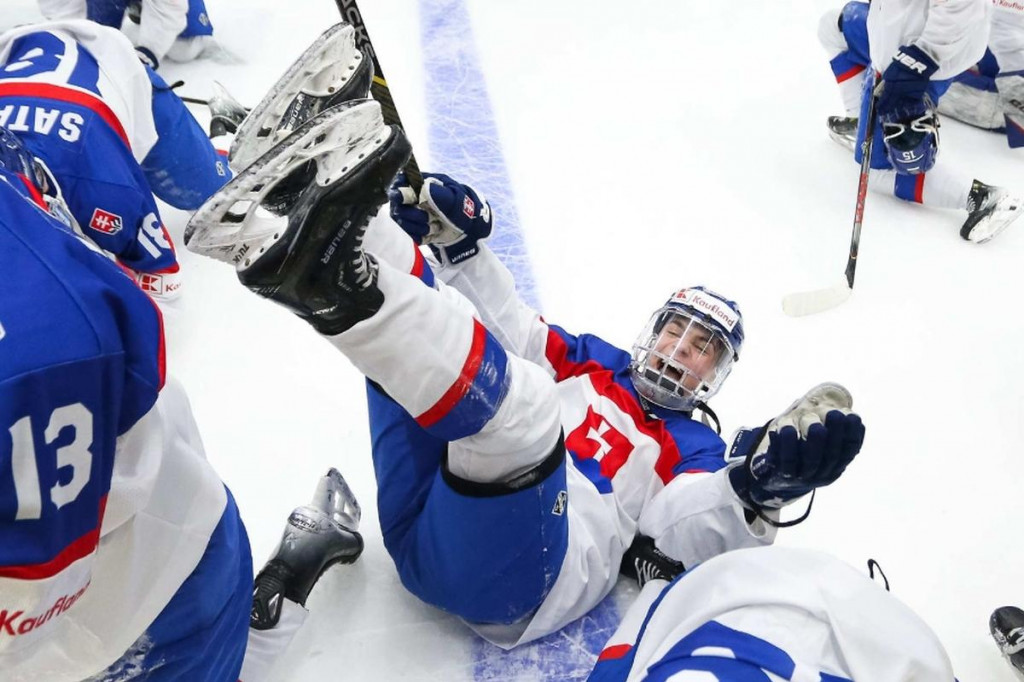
(643, 562)
(317, 536)
(331, 71)
(316, 265)
(1007, 628)
(226, 114)
(843, 129)
(311, 259)
(990, 210)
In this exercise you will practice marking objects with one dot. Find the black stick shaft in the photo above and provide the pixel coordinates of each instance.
(379, 88)
(862, 188)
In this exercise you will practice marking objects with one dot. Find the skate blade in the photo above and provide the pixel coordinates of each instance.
(232, 227)
(334, 496)
(816, 301)
(321, 70)
(842, 140)
(1007, 210)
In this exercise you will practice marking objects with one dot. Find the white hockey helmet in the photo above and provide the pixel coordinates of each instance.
(687, 349)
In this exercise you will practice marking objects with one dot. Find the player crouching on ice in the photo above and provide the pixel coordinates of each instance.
(918, 47)
(515, 462)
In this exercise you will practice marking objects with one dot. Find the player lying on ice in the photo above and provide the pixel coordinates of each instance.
(515, 462)
(112, 135)
(918, 47)
(122, 553)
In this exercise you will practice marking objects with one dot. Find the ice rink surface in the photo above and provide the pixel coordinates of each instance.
(636, 148)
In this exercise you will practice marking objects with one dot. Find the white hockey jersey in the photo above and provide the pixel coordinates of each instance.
(954, 33)
(633, 468)
(772, 613)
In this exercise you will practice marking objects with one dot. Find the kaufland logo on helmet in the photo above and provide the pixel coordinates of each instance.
(468, 207)
(709, 305)
(106, 222)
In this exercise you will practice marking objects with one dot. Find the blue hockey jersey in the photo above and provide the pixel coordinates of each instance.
(106, 500)
(112, 134)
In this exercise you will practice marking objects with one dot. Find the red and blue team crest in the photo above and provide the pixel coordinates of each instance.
(468, 207)
(106, 222)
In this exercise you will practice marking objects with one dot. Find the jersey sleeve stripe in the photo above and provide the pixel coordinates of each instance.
(460, 388)
(63, 94)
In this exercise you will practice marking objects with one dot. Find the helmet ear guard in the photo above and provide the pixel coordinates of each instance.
(687, 349)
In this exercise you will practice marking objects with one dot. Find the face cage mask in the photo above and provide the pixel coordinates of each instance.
(678, 361)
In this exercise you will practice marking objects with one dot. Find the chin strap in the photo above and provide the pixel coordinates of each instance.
(706, 414)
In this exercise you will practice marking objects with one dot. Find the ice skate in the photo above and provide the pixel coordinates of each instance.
(332, 70)
(226, 114)
(310, 259)
(1007, 628)
(843, 129)
(990, 210)
(316, 537)
(644, 562)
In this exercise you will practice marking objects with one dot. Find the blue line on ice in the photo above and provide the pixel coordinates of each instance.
(464, 140)
(464, 143)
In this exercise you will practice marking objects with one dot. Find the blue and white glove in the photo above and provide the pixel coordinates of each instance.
(901, 94)
(446, 215)
(807, 446)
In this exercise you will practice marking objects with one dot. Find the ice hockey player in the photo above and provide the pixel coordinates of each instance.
(177, 29)
(1007, 628)
(991, 94)
(771, 613)
(917, 47)
(515, 462)
(122, 554)
(113, 135)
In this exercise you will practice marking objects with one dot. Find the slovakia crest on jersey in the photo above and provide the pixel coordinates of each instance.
(106, 222)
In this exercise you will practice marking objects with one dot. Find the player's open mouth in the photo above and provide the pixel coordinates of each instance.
(668, 370)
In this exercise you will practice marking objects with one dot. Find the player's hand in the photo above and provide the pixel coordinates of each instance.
(901, 92)
(806, 447)
(449, 216)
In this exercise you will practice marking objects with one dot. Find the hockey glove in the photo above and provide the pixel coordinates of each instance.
(447, 215)
(807, 446)
(901, 93)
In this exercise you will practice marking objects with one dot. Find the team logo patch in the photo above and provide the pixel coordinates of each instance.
(106, 222)
(468, 207)
(561, 502)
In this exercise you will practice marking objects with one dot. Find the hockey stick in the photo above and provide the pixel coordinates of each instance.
(818, 300)
(379, 88)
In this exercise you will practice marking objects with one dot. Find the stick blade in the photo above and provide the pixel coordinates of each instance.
(819, 300)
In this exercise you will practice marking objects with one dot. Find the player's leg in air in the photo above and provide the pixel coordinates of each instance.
(487, 501)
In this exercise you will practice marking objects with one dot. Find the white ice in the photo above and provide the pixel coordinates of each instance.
(650, 145)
